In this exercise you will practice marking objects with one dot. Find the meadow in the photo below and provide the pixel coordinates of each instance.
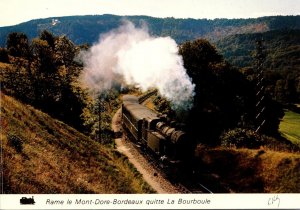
(290, 127)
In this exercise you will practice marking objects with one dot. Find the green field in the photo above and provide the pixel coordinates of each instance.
(290, 127)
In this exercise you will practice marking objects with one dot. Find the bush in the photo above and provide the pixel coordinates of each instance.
(15, 142)
(241, 137)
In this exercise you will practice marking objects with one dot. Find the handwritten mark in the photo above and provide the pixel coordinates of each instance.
(273, 200)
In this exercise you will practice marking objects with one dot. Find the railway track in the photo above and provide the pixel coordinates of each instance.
(205, 188)
(180, 186)
(197, 188)
(148, 168)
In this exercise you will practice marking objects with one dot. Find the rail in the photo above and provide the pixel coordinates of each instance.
(205, 188)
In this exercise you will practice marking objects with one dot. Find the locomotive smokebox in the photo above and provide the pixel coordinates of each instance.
(176, 136)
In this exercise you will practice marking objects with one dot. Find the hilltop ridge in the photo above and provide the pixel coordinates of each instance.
(86, 29)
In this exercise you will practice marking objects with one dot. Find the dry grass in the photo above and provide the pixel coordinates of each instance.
(5, 66)
(43, 155)
(252, 171)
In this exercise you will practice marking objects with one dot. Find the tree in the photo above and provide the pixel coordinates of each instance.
(65, 51)
(4, 55)
(49, 37)
(17, 44)
(44, 56)
(198, 55)
(54, 79)
(97, 115)
(224, 97)
(45, 79)
(279, 91)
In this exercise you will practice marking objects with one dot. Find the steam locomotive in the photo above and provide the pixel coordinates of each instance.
(25, 201)
(151, 132)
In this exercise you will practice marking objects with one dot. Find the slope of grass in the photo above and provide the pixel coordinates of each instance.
(44, 155)
(251, 171)
(290, 127)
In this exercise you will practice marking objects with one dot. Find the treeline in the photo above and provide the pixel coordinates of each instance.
(282, 62)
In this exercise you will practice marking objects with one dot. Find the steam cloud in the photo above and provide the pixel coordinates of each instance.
(131, 55)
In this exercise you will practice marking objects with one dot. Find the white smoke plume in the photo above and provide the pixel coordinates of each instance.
(130, 54)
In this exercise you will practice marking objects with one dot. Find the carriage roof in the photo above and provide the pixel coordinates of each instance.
(137, 110)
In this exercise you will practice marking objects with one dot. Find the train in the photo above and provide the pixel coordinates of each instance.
(25, 201)
(151, 131)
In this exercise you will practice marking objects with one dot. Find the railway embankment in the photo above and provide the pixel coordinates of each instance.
(250, 170)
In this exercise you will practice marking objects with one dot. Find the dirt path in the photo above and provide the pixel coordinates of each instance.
(150, 174)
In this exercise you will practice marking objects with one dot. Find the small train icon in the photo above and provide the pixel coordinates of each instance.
(27, 201)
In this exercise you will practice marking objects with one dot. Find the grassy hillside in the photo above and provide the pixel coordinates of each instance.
(290, 127)
(250, 171)
(44, 155)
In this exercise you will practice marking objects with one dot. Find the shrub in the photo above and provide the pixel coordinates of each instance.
(15, 142)
(241, 137)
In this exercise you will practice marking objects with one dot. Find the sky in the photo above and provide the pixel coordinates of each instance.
(13, 12)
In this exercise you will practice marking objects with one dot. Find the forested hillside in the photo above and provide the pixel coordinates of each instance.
(282, 62)
(86, 29)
